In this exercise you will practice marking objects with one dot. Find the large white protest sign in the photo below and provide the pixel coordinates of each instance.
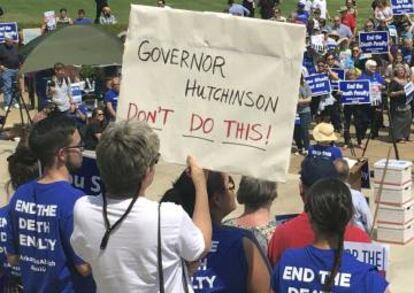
(220, 87)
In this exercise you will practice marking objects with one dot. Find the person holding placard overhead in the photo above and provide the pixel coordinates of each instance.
(132, 243)
(400, 108)
(326, 266)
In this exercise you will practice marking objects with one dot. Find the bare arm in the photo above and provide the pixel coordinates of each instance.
(258, 276)
(13, 259)
(201, 214)
(84, 269)
(110, 109)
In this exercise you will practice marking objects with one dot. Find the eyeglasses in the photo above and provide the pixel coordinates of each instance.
(80, 146)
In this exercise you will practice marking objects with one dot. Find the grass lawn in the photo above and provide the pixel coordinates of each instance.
(28, 13)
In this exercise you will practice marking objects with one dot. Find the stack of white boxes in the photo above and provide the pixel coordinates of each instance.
(396, 209)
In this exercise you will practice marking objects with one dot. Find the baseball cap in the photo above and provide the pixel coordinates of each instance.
(314, 169)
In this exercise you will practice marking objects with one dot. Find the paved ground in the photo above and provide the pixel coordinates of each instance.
(402, 257)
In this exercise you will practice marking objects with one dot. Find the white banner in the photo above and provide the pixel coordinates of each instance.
(220, 87)
(375, 254)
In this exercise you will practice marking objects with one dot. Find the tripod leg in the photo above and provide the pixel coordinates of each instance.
(394, 143)
(7, 113)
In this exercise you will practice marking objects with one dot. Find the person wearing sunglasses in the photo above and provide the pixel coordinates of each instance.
(40, 216)
(94, 128)
(132, 243)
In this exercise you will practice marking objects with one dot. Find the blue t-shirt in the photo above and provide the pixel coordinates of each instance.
(307, 268)
(224, 269)
(6, 268)
(40, 221)
(79, 122)
(326, 152)
(111, 96)
(373, 78)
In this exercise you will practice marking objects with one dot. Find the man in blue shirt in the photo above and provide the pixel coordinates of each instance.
(111, 98)
(40, 218)
(81, 18)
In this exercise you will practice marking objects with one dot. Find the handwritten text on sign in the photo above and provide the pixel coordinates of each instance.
(373, 42)
(355, 92)
(319, 84)
(223, 99)
(400, 7)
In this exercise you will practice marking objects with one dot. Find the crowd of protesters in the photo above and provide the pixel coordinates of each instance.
(333, 43)
(56, 239)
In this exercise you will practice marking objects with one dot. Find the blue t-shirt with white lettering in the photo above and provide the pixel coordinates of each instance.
(326, 152)
(305, 269)
(111, 96)
(224, 269)
(40, 221)
(6, 268)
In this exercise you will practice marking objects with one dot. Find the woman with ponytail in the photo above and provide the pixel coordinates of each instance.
(325, 266)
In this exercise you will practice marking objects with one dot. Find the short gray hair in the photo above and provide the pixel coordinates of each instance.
(124, 153)
(256, 193)
(370, 63)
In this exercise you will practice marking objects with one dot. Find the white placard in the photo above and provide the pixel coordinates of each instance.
(30, 34)
(375, 254)
(50, 19)
(228, 99)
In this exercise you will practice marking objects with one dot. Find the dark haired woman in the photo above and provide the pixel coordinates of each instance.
(235, 262)
(22, 167)
(257, 197)
(325, 266)
(94, 128)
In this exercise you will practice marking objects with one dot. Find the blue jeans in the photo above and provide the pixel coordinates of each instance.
(301, 133)
(8, 76)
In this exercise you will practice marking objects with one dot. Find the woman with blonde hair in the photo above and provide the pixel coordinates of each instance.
(400, 108)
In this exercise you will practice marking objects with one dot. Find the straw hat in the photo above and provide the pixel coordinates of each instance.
(324, 132)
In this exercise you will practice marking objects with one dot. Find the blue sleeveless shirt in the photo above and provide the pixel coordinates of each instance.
(225, 268)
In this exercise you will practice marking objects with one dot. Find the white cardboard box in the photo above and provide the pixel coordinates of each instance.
(394, 233)
(398, 173)
(394, 194)
(389, 214)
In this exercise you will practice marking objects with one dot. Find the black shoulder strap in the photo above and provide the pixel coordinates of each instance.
(160, 270)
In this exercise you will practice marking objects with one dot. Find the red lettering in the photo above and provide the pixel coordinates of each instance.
(135, 108)
(200, 123)
(245, 131)
(166, 113)
(205, 124)
(257, 132)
